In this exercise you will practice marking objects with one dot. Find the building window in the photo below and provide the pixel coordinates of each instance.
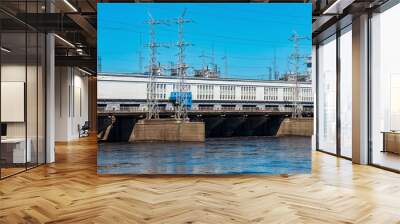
(248, 93)
(227, 92)
(185, 87)
(205, 92)
(288, 93)
(305, 95)
(271, 93)
(160, 91)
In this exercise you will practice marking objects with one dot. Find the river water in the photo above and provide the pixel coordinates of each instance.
(239, 155)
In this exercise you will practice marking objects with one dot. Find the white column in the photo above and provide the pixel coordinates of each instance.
(50, 98)
(314, 90)
(360, 90)
(63, 101)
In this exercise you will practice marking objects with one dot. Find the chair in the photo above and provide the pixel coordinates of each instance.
(84, 130)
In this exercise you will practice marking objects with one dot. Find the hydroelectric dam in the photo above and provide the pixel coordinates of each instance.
(228, 107)
(227, 125)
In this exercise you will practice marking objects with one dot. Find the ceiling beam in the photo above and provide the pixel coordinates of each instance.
(77, 61)
(337, 7)
(86, 27)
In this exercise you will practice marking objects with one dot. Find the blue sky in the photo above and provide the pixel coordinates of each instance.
(248, 33)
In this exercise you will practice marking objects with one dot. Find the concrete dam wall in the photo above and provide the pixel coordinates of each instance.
(218, 126)
(296, 127)
(168, 129)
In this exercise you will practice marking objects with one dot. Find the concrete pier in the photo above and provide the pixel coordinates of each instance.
(168, 130)
(296, 127)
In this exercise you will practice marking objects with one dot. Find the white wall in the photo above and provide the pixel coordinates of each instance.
(61, 103)
(81, 107)
(71, 102)
(122, 89)
(135, 87)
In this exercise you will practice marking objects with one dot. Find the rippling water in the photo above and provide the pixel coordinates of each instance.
(270, 155)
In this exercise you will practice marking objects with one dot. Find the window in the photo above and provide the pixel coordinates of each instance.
(160, 91)
(22, 79)
(288, 93)
(205, 92)
(185, 87)
(271, 93)
(326, 110)
(248, 93)
(346, 93)
(305, 95)
(227, 92)
(385, 88)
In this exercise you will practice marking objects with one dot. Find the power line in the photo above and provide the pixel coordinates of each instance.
(247, 41)
(262, 18)
(205, 34)
(203, 56)
(140, 57)
(252, 15)
(224, 40)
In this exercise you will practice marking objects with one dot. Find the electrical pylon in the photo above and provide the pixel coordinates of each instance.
(181, 98)
(225, 58)
(154, 69)
(296, 57)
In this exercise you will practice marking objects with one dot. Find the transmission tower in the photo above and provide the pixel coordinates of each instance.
(269, 73)
(225, 58)
(181, 110)
(203, 62)
(275, 66)
(295, 58)
(154, 70)
(210, 61)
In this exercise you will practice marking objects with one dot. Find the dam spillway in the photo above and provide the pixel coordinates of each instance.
(217, 126)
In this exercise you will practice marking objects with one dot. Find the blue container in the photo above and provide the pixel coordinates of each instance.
(184, 98)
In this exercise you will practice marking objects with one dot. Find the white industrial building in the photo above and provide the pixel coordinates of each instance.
(121, 92)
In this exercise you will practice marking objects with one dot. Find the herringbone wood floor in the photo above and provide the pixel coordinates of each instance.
(70, 191)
